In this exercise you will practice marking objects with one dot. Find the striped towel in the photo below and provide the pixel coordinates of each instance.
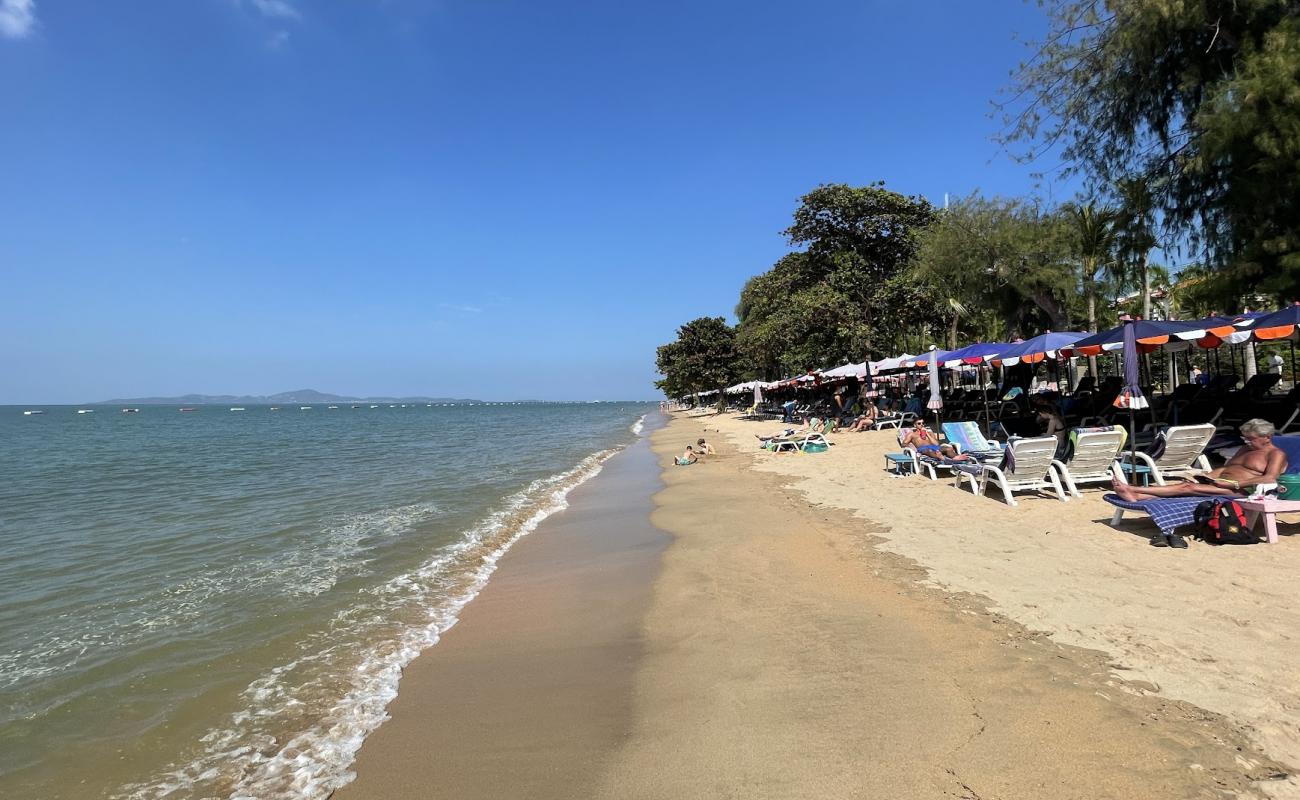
(1168, 513)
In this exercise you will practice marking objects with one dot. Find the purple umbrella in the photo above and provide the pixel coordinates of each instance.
(1130, 396)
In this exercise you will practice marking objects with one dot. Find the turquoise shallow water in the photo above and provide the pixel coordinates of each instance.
(218, 603)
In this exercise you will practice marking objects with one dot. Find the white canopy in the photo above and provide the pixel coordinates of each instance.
(890, 363)
(847, 371)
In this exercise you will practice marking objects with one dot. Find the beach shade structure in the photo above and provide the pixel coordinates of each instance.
(936, 400)
(976, 355)
(1281, 324)
(1032, 351)
(891, 364)
(758, 394)
(973, 354)
(1130, 396)
(868, 384)
(1148, 335)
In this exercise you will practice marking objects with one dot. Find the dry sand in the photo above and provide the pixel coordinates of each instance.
(1217, 627)
(777, 653)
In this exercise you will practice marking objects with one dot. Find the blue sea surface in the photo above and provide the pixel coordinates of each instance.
(219, 603)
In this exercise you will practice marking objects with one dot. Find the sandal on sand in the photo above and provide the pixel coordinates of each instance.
(1159, 540)
(1177, 542)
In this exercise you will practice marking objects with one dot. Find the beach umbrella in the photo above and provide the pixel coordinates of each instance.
(1041, 347)
(1280, 324)
(1130, 396)
(868, 384)
(758, 394)
(936, 400)
(1147, 333)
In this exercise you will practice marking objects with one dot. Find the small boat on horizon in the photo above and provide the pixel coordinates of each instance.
(304, 408)
(333, 407)
(236, 408)
(32, 413)
(130, 411)
(374, 406)
(356, 406)
(85, 411)
(275, 408)
(189, 409)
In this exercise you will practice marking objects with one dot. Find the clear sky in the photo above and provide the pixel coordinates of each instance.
(500, 199)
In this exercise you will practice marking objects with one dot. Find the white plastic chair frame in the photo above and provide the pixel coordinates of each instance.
(1033, 457)
(1093, 461)
(1184, 452)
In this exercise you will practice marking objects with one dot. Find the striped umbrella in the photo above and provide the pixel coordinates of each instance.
(936, 400)
(1130, 396)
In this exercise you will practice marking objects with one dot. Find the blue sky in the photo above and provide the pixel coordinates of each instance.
(492, 198)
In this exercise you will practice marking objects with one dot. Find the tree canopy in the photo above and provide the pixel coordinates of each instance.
(702, 357)
(1199, 100)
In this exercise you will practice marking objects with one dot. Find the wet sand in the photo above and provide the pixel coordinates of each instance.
(769, 652)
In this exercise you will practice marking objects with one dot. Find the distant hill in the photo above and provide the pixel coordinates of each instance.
(298, 396)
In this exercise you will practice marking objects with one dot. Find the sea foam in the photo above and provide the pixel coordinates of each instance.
(336, 691)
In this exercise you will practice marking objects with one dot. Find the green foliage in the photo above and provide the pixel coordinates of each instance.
(817, 308)
(1199, 100)
(878, 226)
(703, 357)
(996, 260)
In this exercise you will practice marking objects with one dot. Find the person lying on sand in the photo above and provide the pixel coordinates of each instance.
(926, 443)
(704, 448)
(1260, 461)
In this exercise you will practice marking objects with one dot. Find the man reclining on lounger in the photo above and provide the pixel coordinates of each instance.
(927, 444)
(1260, 461)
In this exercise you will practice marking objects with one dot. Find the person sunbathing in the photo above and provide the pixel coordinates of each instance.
(1260, 461)
(867, 420)
(926, 443)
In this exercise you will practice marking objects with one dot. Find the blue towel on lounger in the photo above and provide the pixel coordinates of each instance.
(1166, 512)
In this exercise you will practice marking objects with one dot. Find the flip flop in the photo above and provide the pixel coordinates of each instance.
(1177, 542)
(1160, 540)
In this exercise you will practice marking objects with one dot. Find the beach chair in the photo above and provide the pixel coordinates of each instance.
(1171, 513)
(1179, 450)
(968, 438)
(1027, 467)
(1092, 458)
(926, 464)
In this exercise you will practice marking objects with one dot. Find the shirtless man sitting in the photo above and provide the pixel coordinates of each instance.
(926, 443)
(1260, 461)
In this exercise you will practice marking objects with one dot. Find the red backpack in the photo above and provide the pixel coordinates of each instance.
(1223, 522)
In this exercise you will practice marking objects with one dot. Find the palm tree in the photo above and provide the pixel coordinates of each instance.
(1134, 234)
(1094, 230)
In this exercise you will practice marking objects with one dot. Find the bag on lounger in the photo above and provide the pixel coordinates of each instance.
(1222, 522)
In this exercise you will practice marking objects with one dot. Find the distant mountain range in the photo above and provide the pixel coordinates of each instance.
(299, 396)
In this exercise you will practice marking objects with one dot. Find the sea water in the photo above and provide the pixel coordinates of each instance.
(219, 604)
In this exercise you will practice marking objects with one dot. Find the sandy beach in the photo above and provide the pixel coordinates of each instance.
(791, 642)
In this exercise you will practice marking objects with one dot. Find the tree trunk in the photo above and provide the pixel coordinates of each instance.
(1146, 286)
(952, 333)
(1092, 324)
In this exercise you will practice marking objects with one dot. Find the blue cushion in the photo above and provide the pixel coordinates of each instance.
(1291, 446)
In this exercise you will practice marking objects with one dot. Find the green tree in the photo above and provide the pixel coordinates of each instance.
(1011, 257)
(1200, 99)
(1135, 235)
(703, 357)
(817, 307)
(877, 225)
(1094, 242)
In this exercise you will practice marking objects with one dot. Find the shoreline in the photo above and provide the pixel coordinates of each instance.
(772, 649)
(494, 710)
